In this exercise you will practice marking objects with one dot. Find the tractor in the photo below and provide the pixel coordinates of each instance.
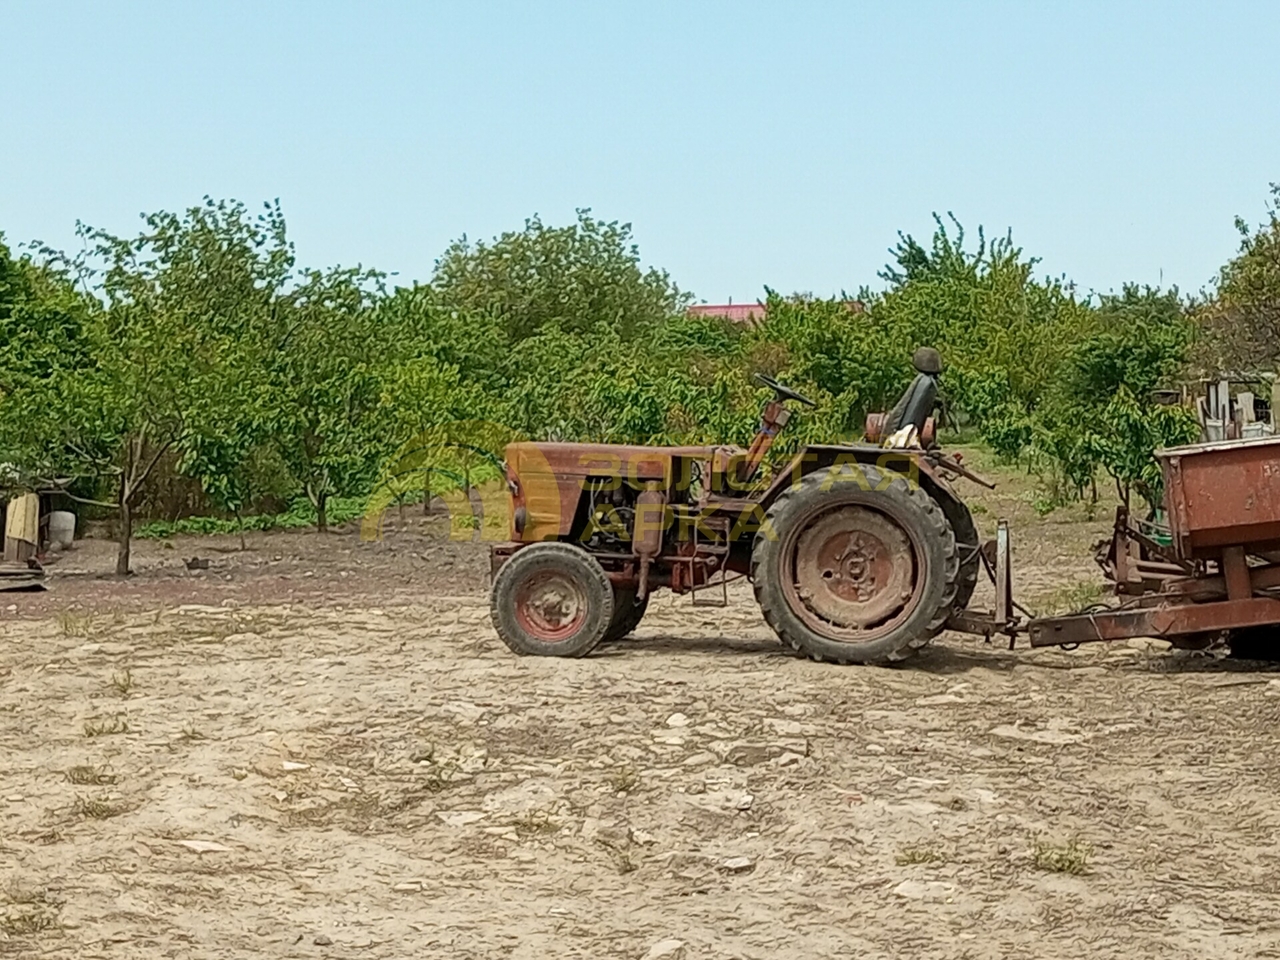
(858, 553)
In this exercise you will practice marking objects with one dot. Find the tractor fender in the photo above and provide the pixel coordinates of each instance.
(908, 463)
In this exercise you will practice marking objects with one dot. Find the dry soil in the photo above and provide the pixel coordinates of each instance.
(319, 748)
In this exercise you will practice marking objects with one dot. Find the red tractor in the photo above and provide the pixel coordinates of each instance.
(858, 553)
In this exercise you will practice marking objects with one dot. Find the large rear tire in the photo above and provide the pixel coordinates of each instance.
(551, 600)
(855, 565)
(967, 544)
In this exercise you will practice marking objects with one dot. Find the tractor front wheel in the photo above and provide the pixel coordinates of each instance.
(551, 600)
(855, 566)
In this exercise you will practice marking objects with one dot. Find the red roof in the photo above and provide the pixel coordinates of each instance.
(738, 312)
(749, 313)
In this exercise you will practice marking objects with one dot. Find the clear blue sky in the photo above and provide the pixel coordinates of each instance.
(748, 143)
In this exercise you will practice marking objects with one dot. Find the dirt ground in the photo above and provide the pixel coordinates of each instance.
(319, 748)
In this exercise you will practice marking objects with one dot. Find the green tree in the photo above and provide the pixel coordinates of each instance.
(1242, 318)
(326, 384)
(163, 365)
(1100, 411)
(570, 277)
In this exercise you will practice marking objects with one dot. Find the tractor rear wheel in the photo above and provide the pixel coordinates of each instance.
(627, 613)
(551, 600)
(856, 566)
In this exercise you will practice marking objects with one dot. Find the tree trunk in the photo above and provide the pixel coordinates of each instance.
(426, 492)
(322, 515)
(126, 535)
(240, 530)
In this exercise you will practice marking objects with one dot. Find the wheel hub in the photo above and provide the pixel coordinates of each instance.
(854, 568)
(551, 606)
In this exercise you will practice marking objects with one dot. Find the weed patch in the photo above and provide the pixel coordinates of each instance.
(1071, 857)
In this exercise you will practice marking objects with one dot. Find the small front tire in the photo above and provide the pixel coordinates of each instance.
(551, 600)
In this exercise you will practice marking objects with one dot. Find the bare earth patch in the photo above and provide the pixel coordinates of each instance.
(359, 769)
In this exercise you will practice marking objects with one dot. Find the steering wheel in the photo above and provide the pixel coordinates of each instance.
(782, 391)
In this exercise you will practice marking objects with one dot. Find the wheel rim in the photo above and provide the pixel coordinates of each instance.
(550, 606)
(851, 573)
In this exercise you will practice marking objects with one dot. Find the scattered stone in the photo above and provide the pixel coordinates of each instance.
(408, 886)
(938, 700)
(932, 891)
(239, 773)
(642, 838)
(322, 941)
(788, 759)
(874, 748)
(784, 728)
(744, 754)
(460, 818)
(204, 846)
(615, 836)
(698, 759)
(666, 950)
(738, 865)
(696, 787)
(677, 720)
(744, 802)
(1053, 733)
(1149, 644)
(290, 766)
(14, 799)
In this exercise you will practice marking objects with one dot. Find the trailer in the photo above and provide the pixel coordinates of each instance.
(1212, 575)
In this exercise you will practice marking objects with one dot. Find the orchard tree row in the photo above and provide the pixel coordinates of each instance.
(200, 347)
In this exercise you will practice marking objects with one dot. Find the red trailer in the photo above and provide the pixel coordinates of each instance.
(1218, 574)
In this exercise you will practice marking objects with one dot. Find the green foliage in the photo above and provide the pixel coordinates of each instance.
(1099, 411)
(566, 277)
(325, 383)
(1242, 319)
(42, 320)
(300, 514)
(199, 343)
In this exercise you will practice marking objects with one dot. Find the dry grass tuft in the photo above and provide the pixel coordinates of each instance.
(1071, 857)
(1071, 597)
(106, 726)
(95, 808)
(122, 682)
(72, 624)
(917, 853)
(536, 823)
(17, 892)
(85, 775)
(624, 779)
(26, 921)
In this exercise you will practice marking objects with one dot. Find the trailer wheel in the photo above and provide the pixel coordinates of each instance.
(627, 614)
(551, 600)
(856, 566)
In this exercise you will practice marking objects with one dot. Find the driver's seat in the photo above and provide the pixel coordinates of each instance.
(916, 405)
